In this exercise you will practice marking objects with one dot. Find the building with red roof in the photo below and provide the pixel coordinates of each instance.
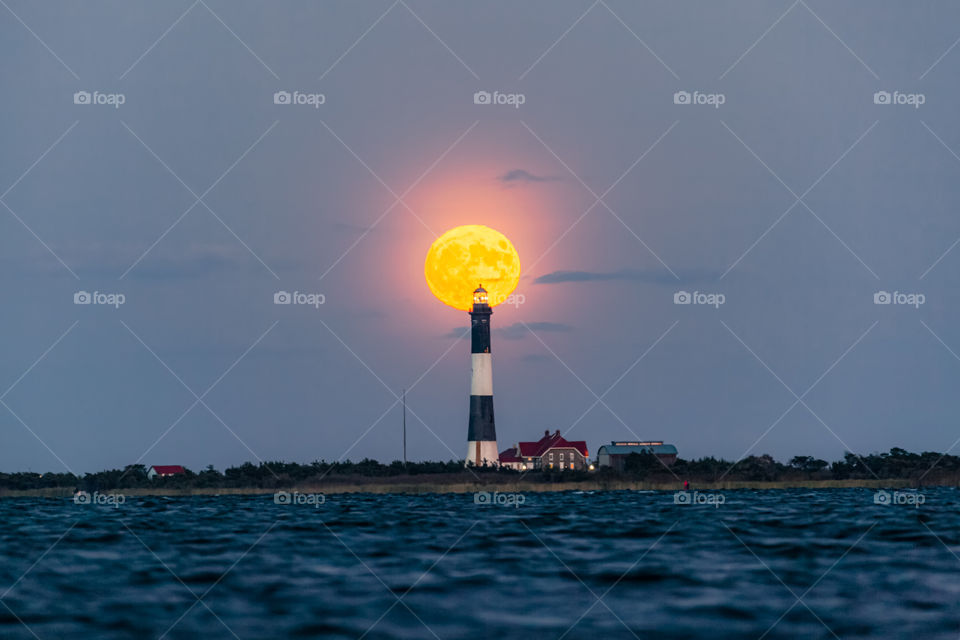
(511, 459)
(552, 451)
(165, 470)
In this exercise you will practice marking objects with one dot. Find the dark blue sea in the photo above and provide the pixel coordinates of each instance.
(748, 564)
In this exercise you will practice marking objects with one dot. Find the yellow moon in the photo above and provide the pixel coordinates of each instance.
(466, 257)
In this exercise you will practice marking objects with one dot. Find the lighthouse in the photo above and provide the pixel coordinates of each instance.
(482, 434)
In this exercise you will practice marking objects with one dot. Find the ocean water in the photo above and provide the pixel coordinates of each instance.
(749, 564)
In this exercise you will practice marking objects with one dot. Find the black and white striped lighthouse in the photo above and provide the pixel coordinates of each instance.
(482, 434)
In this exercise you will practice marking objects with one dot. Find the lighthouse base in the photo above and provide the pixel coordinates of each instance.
(482, 452)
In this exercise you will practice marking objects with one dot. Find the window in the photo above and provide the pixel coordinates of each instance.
(551, 456)
(561, 456)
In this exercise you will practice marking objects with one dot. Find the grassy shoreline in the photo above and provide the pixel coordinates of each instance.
(428, 486)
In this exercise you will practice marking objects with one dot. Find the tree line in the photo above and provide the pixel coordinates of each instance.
(929, 467)
(896, 464)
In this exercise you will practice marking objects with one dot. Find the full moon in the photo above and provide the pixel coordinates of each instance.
(465, 257)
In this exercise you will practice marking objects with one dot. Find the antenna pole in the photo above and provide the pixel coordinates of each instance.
(404, 428)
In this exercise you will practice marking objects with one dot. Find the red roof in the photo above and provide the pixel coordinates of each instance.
(551, 441)
(168, 469)
(510, 455)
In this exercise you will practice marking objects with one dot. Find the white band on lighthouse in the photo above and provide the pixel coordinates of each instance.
(481, 378)
(482, 452)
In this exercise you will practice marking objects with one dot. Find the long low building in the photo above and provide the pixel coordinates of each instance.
(615, 454)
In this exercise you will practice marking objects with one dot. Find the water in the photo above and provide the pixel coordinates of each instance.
(573, 565)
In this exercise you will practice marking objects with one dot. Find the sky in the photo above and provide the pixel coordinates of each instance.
(784, 167)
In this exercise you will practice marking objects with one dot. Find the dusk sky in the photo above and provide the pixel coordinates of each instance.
(796, 190)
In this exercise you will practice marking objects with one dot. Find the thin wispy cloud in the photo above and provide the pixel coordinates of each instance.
(649, 276)
(522, 176)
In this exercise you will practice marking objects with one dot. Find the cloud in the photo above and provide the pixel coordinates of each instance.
(515, 331)
(515, 176)
(650, 276)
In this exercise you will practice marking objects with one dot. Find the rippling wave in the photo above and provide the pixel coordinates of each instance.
(776, 564)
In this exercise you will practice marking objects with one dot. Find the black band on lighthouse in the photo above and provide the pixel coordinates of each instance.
(481, 419)
(480, 329)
